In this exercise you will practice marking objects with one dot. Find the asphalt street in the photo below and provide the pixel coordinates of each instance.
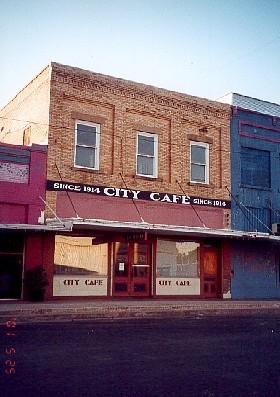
(197, 356)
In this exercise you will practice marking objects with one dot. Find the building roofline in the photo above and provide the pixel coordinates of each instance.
(252, 104)
(159, 90)
(26, 85)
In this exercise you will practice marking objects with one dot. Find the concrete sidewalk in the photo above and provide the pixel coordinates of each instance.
(101, 309)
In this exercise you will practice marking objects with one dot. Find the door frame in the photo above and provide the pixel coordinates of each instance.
(131, 279)
(211, 272)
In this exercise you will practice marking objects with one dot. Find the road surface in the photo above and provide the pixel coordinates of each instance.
(198, 356)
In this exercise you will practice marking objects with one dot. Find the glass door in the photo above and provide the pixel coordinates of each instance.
(131, 269)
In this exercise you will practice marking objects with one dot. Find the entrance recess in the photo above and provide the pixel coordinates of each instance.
(211, 288)
(11, 259)
(132, 269)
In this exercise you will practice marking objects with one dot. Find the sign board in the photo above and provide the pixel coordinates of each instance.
(177, 286)
(138, 236)
(61, 186)
(79, 286)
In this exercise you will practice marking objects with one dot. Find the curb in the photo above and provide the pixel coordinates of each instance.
(126, 311)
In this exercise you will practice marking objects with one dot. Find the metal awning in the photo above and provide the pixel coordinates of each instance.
(53, 227)
(161, 229)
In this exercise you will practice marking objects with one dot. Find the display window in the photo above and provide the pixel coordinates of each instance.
(177, 268)
(80, 266)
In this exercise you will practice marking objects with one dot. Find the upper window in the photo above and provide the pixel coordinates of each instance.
(87, 145)
(199, 162)
(147, 148)
(255, 167)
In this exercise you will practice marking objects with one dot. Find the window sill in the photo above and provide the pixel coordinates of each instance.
(84, 169)
(201, 184)
(148, 178)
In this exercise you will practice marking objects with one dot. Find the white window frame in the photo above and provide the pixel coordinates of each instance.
(154, 157)
(206, 165)
(96, 147)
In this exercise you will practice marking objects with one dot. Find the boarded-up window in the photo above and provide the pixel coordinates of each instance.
(255, 167)
(80, 256)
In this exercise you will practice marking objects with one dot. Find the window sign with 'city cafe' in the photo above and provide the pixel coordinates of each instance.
(136, 194)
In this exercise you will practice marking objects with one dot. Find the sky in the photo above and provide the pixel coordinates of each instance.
(204, 48)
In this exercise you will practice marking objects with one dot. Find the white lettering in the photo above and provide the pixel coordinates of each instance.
(186, 200)
(135, 193)
(109, 191)
(201, 201)
(166, 198)
(125, 192)
(153, 196)
(176, 198)
(72, 187)
(89, 189)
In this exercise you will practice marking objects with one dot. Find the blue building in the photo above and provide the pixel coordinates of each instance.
(255, 193)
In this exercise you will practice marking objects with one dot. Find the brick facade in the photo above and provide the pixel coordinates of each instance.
(47, 110)
(122, 108)
(59, 95)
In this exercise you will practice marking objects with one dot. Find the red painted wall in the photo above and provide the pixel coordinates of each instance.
(22, 181)
(39, 252)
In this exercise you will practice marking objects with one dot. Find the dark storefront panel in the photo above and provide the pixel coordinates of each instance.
(11, 265)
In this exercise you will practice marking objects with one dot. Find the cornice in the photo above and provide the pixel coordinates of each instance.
(79, 78)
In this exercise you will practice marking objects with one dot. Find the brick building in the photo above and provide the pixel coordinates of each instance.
(142, 176)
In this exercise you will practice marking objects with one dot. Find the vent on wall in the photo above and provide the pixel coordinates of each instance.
(276, 228)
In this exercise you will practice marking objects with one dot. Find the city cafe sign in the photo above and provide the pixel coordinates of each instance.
(61, 186)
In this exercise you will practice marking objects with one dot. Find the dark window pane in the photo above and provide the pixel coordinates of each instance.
(139, 287)
(145, 165)
(86, 135)
(121, 259)
(11, 242)
(120, 287)
(140, 271)
(198, 154)
(145, 145)
(85, 157)
(198, 173)
(255, 167)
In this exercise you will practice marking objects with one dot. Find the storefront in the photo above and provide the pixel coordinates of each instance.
(110, 254)
(24, 247)
(140, 263)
